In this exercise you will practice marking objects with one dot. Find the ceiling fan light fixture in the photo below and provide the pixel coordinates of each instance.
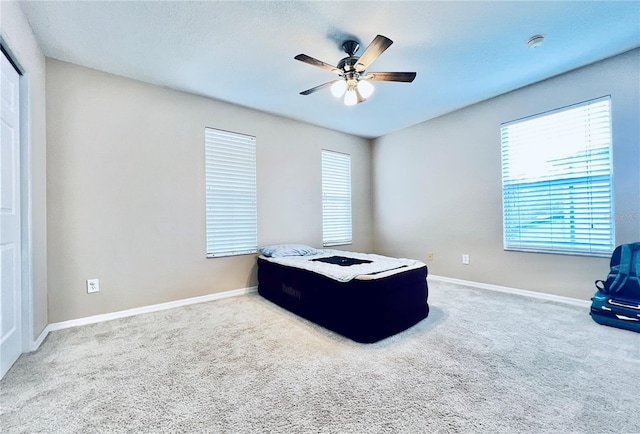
(350, 97)
(338, 88)
(365, 88)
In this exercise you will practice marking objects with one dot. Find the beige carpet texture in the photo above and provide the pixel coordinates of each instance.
(482, 362)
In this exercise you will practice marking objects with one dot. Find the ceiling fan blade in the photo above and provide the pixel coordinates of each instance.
(375, 48)
(317, 88)
(405, 77)
(315, 62)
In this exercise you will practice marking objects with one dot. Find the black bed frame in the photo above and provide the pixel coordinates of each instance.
(363, 310)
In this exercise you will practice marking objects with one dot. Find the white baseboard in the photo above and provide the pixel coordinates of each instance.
(36, 344)
(136, 311)
(524, 292)
(217, 296)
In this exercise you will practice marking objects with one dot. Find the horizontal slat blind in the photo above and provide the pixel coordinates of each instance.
(232, 217)
(336, 198)
(556, 181)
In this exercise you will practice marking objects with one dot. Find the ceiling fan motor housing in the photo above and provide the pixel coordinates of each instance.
(348, 64)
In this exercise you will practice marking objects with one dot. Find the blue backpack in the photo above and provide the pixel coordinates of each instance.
(624, 274)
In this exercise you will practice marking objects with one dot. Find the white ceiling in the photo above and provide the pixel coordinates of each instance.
(242, 52)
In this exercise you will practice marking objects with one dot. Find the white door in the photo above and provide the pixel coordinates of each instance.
(10, 259)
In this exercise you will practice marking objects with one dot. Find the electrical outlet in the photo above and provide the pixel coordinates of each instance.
(465, 259)
(93, 285)
(430, 256)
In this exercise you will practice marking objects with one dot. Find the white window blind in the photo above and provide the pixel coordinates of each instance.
(556, 181)
(232, 217)
(336, 198)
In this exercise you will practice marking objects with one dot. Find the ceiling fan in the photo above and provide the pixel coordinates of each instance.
(354, 82)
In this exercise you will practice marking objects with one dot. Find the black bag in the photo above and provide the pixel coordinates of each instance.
(617, 301)
(624, 274)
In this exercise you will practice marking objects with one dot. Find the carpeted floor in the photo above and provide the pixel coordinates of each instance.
(483, 362)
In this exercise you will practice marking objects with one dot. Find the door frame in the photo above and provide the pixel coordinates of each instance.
(26, 227)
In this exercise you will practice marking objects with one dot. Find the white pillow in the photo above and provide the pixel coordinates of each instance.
(277, 250)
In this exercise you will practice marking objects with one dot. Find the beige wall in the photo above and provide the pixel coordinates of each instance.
(126, 188)
(18, 39)
(125, 171)
(437, 185)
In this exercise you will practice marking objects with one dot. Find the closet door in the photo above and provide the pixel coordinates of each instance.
(10, 258)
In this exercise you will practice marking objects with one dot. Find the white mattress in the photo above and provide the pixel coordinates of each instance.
(380, 267)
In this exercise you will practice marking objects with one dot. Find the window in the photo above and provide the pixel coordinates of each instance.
(336, 198)
(556, 181)
(232, 217)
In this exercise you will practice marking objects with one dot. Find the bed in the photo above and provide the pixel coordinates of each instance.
(363, 297)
